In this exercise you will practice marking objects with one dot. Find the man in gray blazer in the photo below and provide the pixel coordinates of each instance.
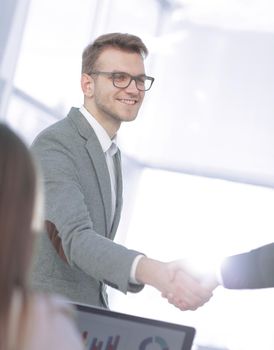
(81, 168)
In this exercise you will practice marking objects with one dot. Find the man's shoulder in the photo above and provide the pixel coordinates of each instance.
(63, 128)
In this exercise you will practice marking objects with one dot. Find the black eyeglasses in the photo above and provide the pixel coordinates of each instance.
(122, 80)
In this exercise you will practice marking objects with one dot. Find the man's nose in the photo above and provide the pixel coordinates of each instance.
(132, 86)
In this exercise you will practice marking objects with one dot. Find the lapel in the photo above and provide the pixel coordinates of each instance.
(119, 195)
(98, 159)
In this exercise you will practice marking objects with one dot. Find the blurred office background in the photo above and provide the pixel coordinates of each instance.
(198, 162)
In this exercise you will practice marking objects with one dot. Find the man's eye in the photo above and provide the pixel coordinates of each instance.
(120, 77)
(141, 80)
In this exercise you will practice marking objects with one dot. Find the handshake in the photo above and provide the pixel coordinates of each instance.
(177, 282)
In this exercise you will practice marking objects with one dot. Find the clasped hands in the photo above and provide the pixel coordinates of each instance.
(177, 283)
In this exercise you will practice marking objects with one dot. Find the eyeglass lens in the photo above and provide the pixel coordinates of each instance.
(123, 80)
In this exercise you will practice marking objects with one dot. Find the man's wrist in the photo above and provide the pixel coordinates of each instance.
(133, 278)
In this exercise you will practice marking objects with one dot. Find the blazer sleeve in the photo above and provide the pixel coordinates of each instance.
(250, 270)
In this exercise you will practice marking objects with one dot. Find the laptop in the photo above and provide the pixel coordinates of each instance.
(103, 329)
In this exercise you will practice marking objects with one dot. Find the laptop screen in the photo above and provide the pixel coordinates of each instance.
(103, 329)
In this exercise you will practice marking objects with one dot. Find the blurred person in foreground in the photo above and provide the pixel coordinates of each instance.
(81, 165)
(28, 321)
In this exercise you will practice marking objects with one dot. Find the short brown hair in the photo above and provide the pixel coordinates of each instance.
(17, 200)
(125, 42)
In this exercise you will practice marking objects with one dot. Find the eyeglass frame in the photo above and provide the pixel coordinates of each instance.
(132, 77)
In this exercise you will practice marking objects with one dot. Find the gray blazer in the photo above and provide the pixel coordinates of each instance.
(76, 255)
(254, 269)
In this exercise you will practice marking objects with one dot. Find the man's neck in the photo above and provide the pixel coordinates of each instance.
(108, 125)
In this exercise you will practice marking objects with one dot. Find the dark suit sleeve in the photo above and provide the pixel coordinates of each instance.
(254, 269)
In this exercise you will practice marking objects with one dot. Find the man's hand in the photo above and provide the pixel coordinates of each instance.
(175, 283)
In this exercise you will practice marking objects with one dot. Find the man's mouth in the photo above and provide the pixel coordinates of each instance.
(127, 101)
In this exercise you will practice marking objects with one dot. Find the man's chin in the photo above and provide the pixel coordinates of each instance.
(128, 117)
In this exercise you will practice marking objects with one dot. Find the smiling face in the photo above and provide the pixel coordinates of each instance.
(108, 104)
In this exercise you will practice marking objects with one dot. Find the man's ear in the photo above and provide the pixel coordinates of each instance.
(87, 84)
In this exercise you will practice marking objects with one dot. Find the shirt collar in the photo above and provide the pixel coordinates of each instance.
(106, 142)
